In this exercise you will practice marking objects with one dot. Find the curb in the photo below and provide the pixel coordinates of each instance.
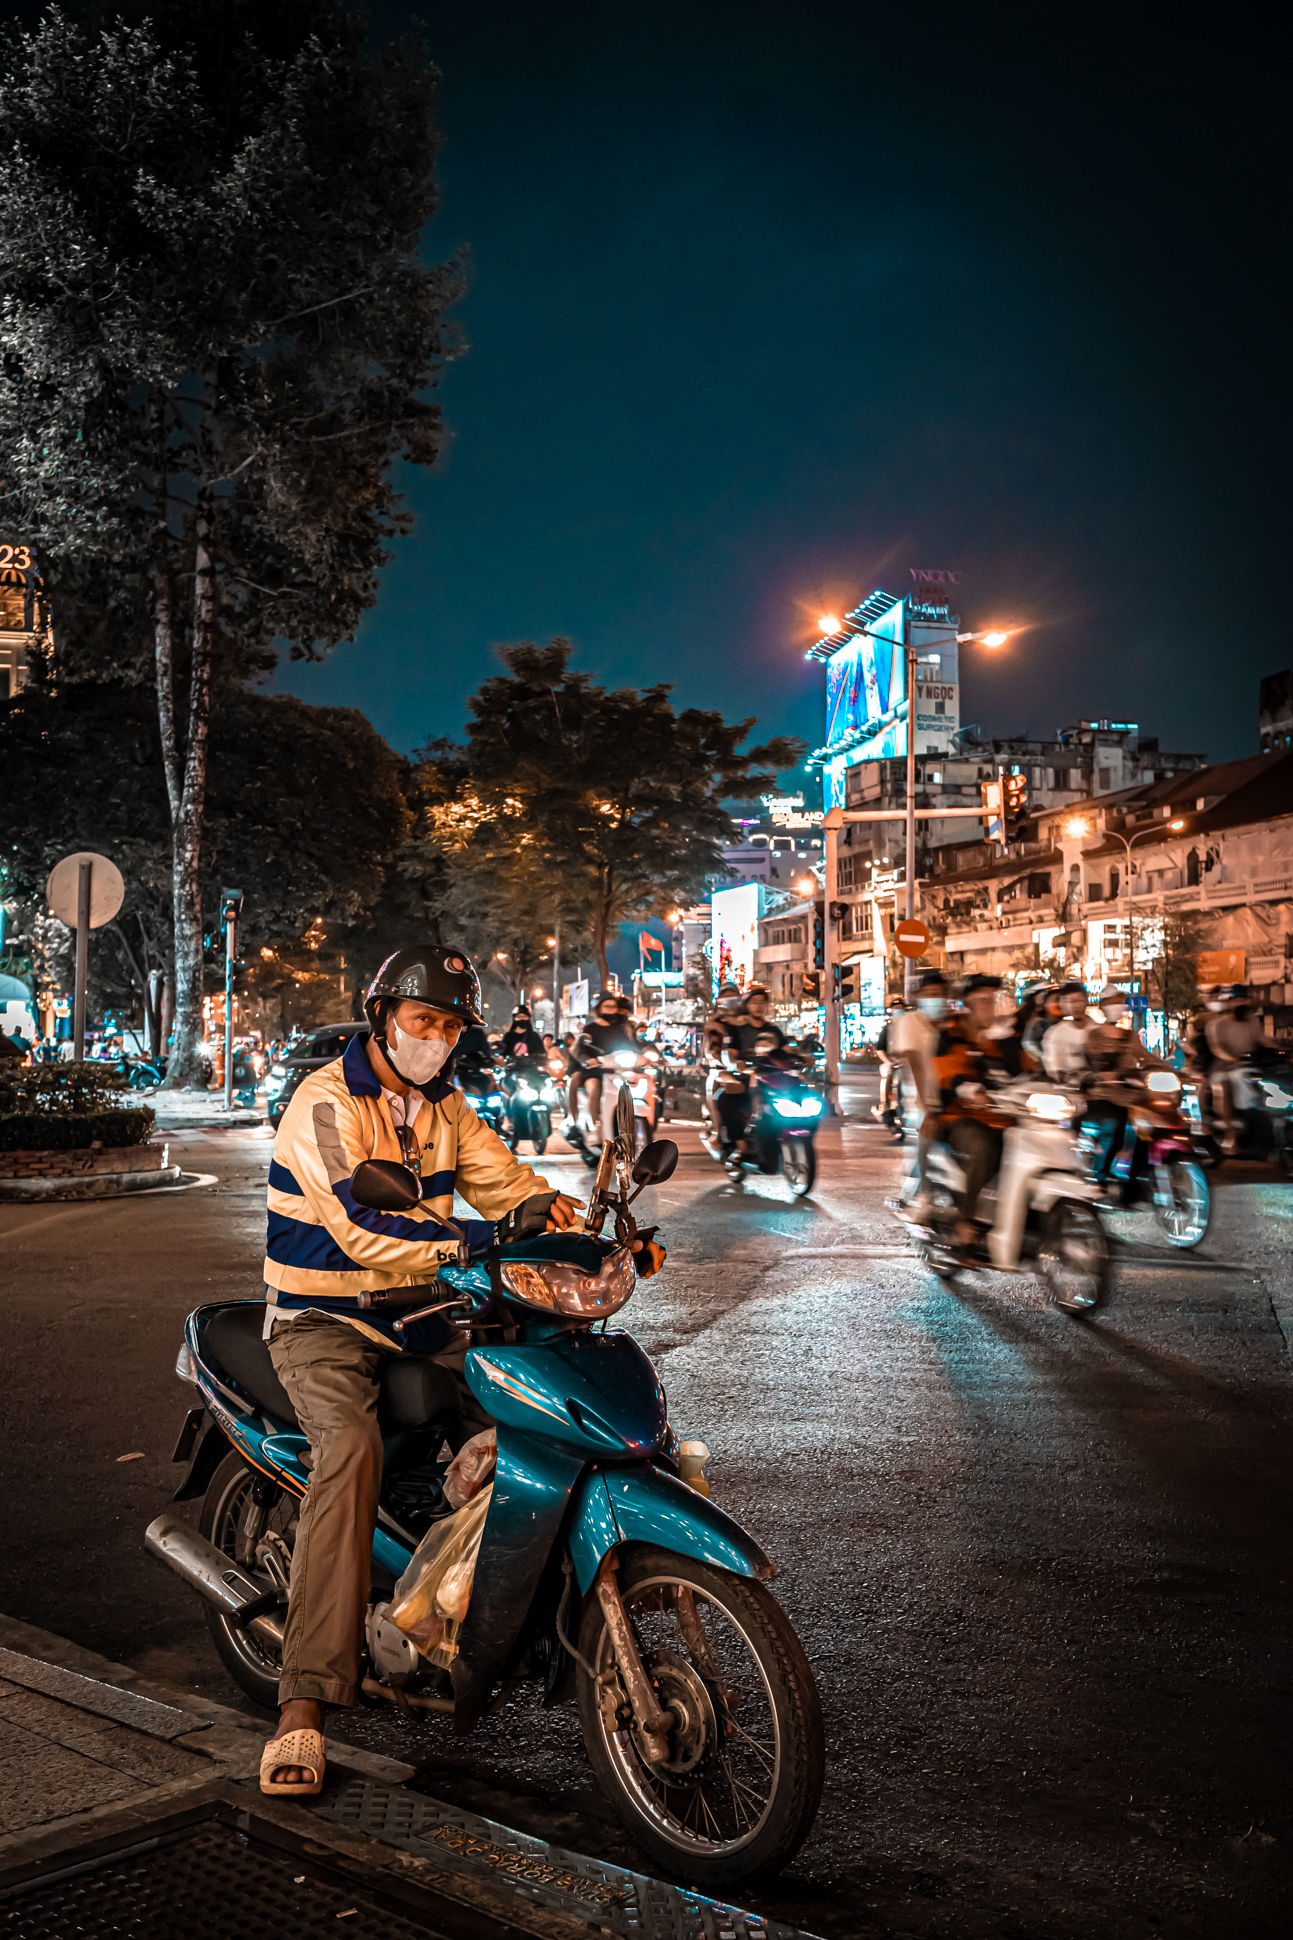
(100, 1185)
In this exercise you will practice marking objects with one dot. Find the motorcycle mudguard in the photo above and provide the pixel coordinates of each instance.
(532, 1484)
(643, 1504)
(203, 1445)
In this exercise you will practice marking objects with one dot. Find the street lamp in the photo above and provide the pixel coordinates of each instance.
(1079, 827)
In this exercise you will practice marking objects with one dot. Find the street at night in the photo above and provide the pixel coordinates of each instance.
(1034, 1560)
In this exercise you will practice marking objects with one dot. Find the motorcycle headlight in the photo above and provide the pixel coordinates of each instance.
(639, 1090)
(527, 1092)
(798, 1107)
(278, 1070)
(562, 1289)
(1165, 1081)
(494, 1098)
(1049, 1105)
(626, 1059)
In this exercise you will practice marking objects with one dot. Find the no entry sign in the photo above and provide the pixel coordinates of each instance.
(911, 938)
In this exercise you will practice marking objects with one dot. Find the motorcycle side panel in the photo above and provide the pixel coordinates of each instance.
(597, 1395)
(645, 1505)
(532, 1485)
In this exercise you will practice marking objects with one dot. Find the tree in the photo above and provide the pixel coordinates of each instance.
(607, 798)
(216, 338)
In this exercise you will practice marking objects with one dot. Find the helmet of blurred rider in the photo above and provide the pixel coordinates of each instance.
(1074, 987)
(431, 974)
(979, 981)
(932, 980)
(1112, 997)
(521, 1015)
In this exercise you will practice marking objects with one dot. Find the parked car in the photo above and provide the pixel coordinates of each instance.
(303, 1055)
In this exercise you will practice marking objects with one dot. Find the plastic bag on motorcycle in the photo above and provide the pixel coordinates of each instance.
(432, 1597)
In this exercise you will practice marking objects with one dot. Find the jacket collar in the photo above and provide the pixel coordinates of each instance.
(357, 1071)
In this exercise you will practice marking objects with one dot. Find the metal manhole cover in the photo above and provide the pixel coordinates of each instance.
(205, 1882)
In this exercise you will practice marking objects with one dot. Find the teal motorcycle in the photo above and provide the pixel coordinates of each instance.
(605, 1573)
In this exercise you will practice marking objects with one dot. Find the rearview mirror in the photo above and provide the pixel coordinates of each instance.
(655, 1163)
(383, 1185)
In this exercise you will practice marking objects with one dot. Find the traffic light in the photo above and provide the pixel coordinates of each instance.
(993, 826)
(846, 983)
(1015, 786)
(810, 986)
(819, 936)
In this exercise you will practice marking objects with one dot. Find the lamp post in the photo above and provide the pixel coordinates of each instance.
(1079, 827)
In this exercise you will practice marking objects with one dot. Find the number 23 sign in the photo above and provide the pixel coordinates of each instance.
(15, 562)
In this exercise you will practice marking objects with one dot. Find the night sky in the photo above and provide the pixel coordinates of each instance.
(769, 305)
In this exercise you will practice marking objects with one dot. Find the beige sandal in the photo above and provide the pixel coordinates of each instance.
(305, 1748)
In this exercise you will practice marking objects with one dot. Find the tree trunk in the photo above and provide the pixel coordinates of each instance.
(601, 925)
(187, 813)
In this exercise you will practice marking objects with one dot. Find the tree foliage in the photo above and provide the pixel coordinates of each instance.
(586, 805)
(216, 337)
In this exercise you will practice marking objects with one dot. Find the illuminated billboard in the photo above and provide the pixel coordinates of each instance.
(734, 932)
(866, 688)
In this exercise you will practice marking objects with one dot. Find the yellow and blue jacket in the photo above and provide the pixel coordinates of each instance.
(323, 1249)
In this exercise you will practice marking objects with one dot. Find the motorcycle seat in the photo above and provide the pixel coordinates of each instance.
(413, 1388)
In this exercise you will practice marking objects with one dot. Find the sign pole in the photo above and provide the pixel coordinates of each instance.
(229, 919)
(84, 879)
(832, 822)
(556, 989)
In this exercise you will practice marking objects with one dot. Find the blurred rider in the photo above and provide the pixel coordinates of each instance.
(1064, 1056)
(606, 1032)
(1233, 1030)
(973, 1052)
(890, 1064)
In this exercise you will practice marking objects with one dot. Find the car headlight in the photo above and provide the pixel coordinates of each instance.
(565, 1289)
(527, 1092)
(798, 1107)
(1166, 1081)
(1051, 1106)
(626, 1059)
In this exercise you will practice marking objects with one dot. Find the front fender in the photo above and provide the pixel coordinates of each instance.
(643, 1504)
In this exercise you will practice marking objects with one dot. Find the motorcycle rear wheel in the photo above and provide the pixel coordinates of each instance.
(252, 1664)
(1073, 1258)
(747, 1753)
(1181, 1203)
(799, 1164)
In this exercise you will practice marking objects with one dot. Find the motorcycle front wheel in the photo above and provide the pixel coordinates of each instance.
(739, 1790)
(1073, 1258)
(1181, 1202)
(799, 1164)
(253, 1665)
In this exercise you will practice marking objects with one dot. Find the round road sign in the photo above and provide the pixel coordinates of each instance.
(911, 938)
(107, 890)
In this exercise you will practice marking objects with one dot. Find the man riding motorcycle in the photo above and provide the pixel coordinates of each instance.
(1234, 1030)
(606, 1032)
(1064, 1046)
(741, 1034)
(974, 1049)
(338, 1274)
(521, 1040)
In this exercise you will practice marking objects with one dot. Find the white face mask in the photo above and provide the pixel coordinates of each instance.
(415, 1059)
(930, 1006)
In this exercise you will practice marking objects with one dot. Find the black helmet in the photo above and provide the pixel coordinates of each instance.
(430, 974)
(606, 997)
(522, 1010)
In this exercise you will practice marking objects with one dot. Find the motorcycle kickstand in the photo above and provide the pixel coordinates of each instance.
(653, 1723)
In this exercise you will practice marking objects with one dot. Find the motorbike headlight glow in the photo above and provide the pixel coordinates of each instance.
(798, 1107)
(527, 1092)
(626, 1059)
(639, 1090)
(278, 1070)
(494, 1098)
(1166, 1081)
(565, 1289)
(1051, 1106)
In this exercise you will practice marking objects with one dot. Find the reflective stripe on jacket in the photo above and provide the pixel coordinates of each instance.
(323, 1248)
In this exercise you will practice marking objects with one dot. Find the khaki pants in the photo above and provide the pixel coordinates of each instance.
(331, 1372)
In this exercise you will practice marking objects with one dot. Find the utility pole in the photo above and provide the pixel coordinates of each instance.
(556, 986)
(832, 823)
(230, 909)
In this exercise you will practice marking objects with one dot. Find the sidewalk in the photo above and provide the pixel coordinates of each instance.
(128, 1806)
(183, 1111)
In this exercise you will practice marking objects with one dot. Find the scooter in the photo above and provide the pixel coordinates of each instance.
(605, 1572)
(530, 1096)
(1158, 1160)
(638, 1073)
(1040, 1210)
(481, 1088)
(782, 1130)
(1261, 1096)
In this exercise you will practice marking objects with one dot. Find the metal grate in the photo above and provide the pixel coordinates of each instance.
(609, 1897)
(206, 1882)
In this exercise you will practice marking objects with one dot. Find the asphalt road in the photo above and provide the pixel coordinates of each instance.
(1041, 1566)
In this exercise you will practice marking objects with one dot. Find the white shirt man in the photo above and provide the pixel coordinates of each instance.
(1064, 1045)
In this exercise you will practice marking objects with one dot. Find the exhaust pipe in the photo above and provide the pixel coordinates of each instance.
(213, 1575)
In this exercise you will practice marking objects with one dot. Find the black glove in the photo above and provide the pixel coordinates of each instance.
(525, 1220)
